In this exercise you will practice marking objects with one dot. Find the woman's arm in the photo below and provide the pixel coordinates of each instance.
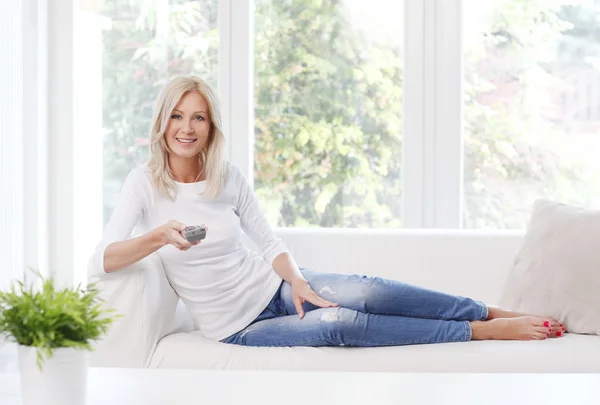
(288, 270)
(117, 250)
(129, 209)
(255, 225)
(285, 265)
(121, 254)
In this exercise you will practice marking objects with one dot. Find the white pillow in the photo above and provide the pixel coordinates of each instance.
(142, 294)
(557, 270)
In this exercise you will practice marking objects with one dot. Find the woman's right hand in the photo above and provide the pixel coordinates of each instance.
(171, 235)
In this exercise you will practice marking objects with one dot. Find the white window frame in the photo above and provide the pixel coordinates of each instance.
(433, 148)
(61, 141)
(236, 81)
(449, 151)
(432, 156)
(35, 159)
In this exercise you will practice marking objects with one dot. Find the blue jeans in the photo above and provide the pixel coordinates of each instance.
(372, 312)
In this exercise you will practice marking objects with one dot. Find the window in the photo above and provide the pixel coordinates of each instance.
(532, 108)
(328, 112)
(496, 106)
(145, 44)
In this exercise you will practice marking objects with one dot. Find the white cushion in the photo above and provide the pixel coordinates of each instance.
(470, 263)
(572, 353)
(143, 295)
(557, 270)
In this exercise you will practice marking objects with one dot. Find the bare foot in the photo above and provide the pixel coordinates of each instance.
(558, 329)
(521, 328)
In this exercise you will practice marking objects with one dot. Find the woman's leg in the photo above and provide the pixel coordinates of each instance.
(376, 295)
(388, 297)
(347, 327)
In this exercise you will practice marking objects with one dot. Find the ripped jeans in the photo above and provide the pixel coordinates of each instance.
(372, 312)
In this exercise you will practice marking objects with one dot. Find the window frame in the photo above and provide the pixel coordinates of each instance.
(432, 187)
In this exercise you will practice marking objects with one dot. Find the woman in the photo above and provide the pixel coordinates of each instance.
(240, 297)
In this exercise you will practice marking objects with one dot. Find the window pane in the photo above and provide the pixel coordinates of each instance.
(328, 92)
(532, 107)
(148, 42)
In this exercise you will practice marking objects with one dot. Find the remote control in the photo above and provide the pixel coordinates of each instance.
(194, 233)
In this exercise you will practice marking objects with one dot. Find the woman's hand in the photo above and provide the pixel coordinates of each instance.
(302, 292)
(170, 234)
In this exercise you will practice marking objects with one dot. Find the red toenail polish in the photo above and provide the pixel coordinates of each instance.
(550, 330)
(559, 333)
(546, 324)
(561, 324)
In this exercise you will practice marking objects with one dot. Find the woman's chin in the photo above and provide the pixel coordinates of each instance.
(186, 154)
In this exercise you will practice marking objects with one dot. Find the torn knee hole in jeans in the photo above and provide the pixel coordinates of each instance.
(326, 289)
(330, 317)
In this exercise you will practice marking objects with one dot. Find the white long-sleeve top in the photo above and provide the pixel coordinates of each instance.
(224, 284)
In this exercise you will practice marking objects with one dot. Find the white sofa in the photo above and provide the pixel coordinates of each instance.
(156, 331)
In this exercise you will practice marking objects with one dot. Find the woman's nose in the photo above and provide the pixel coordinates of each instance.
(187, 129)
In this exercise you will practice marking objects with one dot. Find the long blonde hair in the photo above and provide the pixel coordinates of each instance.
(211, 158)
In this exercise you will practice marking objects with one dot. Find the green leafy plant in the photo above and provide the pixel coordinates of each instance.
(49, 318)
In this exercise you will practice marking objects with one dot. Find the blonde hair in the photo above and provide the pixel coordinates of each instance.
(211, 158)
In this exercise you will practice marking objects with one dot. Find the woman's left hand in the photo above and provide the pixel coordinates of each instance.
(302, 292)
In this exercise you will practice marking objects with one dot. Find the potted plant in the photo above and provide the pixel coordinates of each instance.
(54, 329)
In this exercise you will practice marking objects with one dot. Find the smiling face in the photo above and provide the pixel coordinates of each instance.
(189, 127)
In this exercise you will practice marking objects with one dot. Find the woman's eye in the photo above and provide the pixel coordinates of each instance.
(176, 116)
(199, 118)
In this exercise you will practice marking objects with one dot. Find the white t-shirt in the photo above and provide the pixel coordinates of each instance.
(224, 284)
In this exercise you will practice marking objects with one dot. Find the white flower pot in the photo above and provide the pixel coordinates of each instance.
(62, 381)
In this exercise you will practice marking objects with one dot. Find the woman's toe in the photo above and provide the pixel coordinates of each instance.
(543, 330)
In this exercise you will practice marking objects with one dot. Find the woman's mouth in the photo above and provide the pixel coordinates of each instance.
(186, 141)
